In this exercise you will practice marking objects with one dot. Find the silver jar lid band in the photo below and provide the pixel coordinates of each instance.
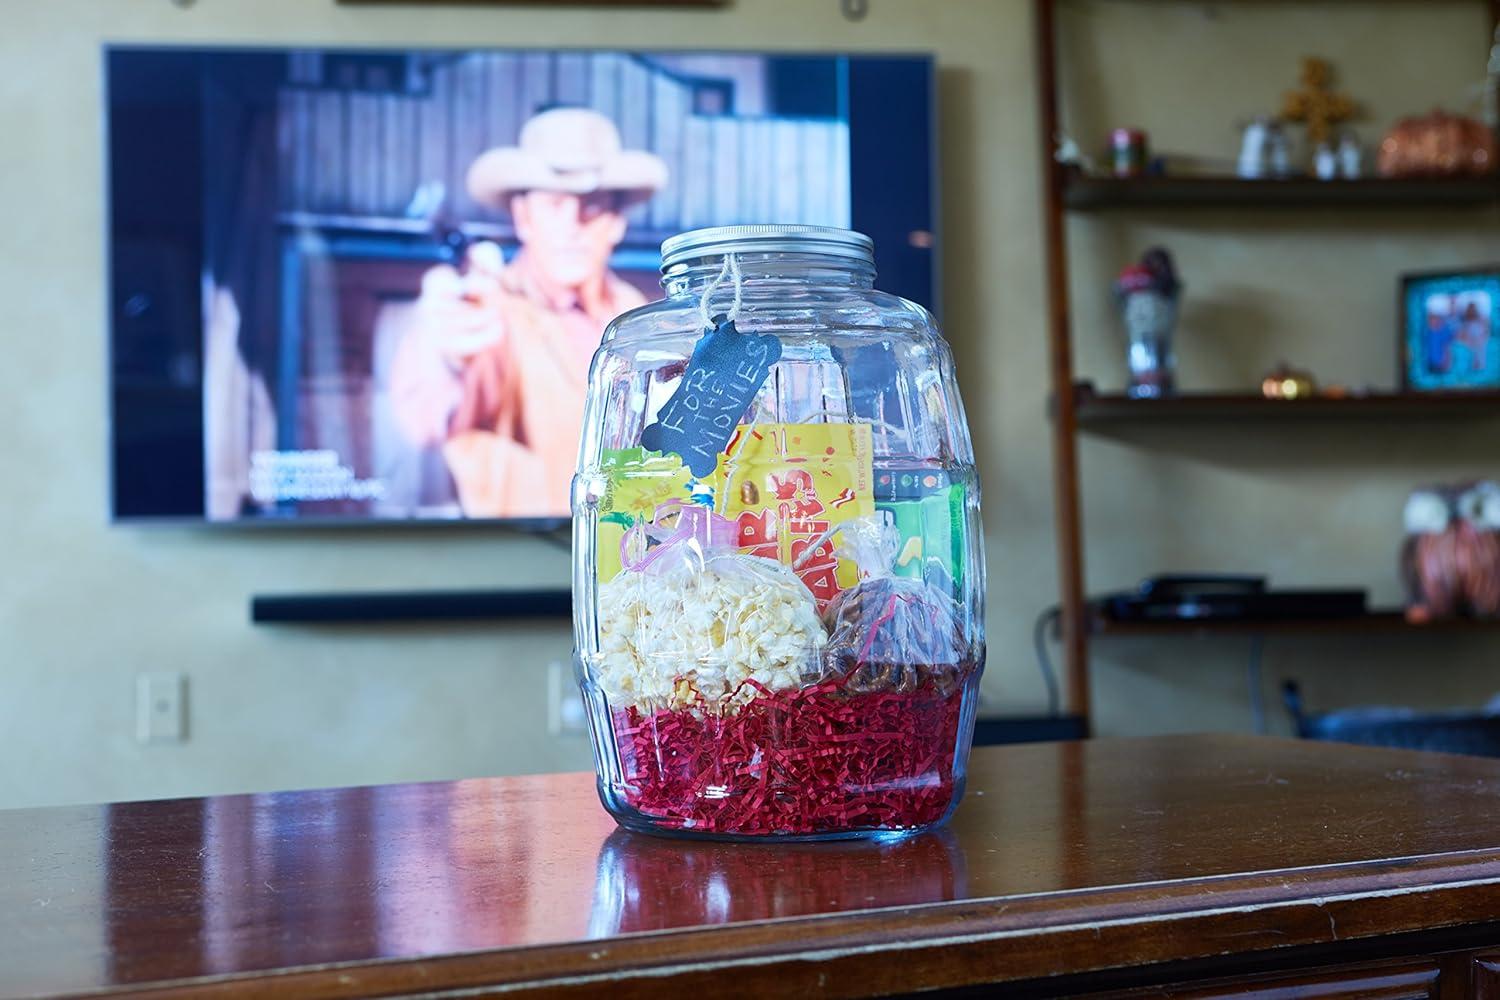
(822, 240)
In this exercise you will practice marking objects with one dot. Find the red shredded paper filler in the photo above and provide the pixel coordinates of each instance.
(810, 760)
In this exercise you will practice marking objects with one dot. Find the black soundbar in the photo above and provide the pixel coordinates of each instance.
(430, 605)
(995, 730)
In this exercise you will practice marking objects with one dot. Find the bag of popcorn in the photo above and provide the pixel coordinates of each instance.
(691, 622)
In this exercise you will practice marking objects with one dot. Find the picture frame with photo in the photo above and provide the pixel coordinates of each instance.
(1450, 331)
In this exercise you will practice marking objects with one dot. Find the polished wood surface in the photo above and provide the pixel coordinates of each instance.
(1063, 858)
(1383, 981)
(1486, 977)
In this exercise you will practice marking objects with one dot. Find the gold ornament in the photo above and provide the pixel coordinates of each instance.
(1315, 104)
(1285, 382)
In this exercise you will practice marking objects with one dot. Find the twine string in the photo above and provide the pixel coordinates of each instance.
(729, 272)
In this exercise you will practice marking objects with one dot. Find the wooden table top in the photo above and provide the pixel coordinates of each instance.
(1062, 858)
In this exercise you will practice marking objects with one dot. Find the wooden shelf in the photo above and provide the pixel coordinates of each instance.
(1461, 201)
(1085, 194)
(1375, 622)
(1097, 410)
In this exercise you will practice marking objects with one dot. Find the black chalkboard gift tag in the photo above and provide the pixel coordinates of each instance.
(722, 378)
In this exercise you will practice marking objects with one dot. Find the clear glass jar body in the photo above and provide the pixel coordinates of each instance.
(791, 646)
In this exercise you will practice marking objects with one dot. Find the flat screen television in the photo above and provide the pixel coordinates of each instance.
(331, 268)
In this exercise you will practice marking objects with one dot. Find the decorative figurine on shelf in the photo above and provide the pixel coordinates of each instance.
(1437, 145)
(1315, 104)
(1255, 152)
(1325, 162)
(1351, 156)
(1281, 152)
(1147, 293)
(1286, 382)
(1127, 152)
(1069, 154)
(1263, 150)
(1343, 159)
(1450, 561)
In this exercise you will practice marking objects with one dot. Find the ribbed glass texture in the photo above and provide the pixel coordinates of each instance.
(789, 646)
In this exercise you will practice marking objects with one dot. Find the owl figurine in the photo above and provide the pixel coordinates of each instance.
(1450, 561)
(1479, 548)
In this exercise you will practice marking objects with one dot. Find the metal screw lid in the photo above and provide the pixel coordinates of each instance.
(822, 240)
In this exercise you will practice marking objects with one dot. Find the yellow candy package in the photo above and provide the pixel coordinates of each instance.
(787, 486)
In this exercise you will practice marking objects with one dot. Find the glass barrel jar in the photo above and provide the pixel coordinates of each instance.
(778, 566)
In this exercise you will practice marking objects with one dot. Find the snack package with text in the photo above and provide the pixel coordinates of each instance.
(786, 487)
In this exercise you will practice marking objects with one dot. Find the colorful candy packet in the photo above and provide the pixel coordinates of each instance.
(783, 485)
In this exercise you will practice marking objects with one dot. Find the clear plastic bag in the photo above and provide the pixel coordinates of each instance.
(691, 622)
(888, 632)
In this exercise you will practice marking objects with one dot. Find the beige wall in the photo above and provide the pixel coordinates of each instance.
(84, 606)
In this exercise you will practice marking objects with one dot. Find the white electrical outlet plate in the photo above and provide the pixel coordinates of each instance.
(160, 708)
(565, 716)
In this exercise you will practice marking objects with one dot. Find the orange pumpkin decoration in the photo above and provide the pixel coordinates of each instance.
(1437, 145)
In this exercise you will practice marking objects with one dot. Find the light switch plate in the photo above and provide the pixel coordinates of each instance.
(160, 708)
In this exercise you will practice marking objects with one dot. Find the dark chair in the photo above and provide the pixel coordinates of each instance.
(1466, 732)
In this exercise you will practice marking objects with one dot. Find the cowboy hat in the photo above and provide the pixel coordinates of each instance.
(572, 150)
